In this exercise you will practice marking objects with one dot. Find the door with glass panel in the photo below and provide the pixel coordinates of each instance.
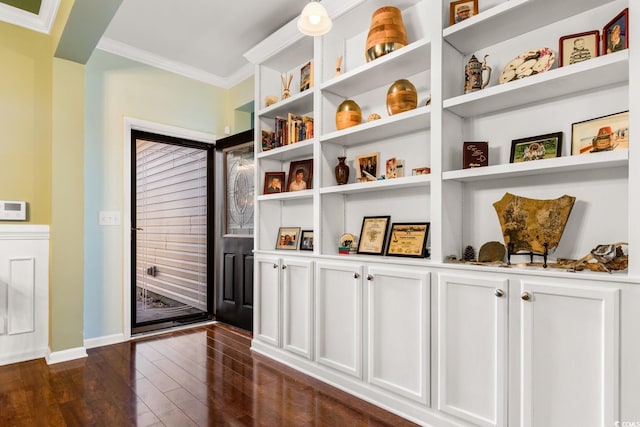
(234, 230)
(171, 238)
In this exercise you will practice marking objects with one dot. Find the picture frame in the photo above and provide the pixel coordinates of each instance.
(615, 35)
(579, 47)
(306, 76)
(306, 240)
(536, 147)
(606, 133)
(368, 167)
(287, 238)
(273, 183)
(424, 170)
(461, 10)
(373, 235)
(300, 175)
(408, 239)
(394, 168)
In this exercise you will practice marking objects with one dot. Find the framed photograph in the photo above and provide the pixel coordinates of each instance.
(300, 175)
(306, 240)
(461, 10)
(367, 168)
(420, 171)
(536, 147)
(373, 235)
(395, 168)
(408, 239)
(288, 238)
(579, 47)
(273, 182)
(605, 133)
(306, 76)
(615, 35)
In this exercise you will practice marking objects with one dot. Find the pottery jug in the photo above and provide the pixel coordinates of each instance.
(473, 79)
(342, 171)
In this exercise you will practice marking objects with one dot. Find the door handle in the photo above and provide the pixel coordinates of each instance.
(499, 293)
(526, 296)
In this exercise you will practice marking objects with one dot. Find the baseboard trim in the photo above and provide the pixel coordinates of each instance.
(8, 359)
(106, 340)
(65, 355)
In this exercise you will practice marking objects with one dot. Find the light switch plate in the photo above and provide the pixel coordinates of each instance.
(109, 218)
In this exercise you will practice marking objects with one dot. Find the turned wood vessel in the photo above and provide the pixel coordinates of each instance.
(386, 32)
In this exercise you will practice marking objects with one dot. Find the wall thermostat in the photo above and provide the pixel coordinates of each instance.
(13, 210)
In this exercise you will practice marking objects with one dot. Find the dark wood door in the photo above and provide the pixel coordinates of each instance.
(234, 230)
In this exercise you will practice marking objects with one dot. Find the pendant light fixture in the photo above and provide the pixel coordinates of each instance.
(314, 20)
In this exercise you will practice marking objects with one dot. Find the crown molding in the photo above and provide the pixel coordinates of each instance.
(42, 22)
(127, 51)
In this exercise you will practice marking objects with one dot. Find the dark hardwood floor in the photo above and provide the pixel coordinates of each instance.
(204, 376)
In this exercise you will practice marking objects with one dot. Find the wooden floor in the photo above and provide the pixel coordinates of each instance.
(205, 376)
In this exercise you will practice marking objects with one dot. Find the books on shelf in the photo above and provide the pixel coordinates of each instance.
(294, 128)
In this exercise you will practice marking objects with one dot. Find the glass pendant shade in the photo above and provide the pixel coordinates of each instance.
(314, 20)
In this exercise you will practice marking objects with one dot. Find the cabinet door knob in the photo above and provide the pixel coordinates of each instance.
(499, 293)
(370, 277)
(284, 267)
(356, 275)
(275, 265)
(526, 296)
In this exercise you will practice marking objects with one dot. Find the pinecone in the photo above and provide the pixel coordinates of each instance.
(469, 254)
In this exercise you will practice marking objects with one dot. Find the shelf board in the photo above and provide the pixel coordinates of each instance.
(292, 195)
(386, 127)
(384, 184)
(400, 64)
(289, 152)
(588, 75)
(510, 19)
(563, 164)
(300, 103)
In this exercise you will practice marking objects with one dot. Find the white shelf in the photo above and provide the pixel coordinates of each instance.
(300, 103)
(384, 184)
(511, 18)
(289, 152)
(563, 164)
(400, 64)
(588, 75)
(293, 195)
(398, 124)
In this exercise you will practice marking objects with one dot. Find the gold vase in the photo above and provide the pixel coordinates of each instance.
(348, 114)
(401, 96)
(386, 33)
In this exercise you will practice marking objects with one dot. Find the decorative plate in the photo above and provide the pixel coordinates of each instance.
(526, 64)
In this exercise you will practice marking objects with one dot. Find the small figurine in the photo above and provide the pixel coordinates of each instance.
(286, 85)
(339, 65)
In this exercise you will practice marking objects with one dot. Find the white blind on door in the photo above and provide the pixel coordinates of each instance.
(171, 209)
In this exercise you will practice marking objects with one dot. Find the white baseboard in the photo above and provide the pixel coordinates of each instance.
(7, 359)
(65, 355)
(106, 340)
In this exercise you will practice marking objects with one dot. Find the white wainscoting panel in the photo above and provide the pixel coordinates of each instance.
(24, 292)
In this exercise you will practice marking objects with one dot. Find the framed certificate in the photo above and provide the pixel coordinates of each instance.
(373, 235)
(408, 239)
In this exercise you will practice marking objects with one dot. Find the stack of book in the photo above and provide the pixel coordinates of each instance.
(346, 250)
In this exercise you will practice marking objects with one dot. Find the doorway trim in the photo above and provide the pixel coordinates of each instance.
(129, 124)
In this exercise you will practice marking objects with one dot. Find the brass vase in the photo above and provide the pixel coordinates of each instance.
(348, 114)
(342, 171)
(401, 96)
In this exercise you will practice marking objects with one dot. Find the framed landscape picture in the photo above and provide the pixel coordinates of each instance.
(605, 133)
(408, 239)
(536, 147)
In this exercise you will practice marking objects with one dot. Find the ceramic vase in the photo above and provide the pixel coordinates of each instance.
(342, 171)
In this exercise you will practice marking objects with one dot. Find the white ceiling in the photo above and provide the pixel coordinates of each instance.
(203, 39)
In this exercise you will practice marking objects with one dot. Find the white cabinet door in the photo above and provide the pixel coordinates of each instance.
(297, 284)
(398, 331)
(339, 316)
(569, 355)
(472, 348)
(266, 313)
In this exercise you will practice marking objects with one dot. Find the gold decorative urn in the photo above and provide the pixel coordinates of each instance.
(348, 114)
(386, 33)
(401, 96)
